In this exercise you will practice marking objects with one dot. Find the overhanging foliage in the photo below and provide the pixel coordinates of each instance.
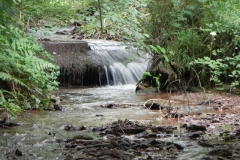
(25, 78)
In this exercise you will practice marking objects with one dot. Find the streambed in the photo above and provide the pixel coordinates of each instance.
(41, 133)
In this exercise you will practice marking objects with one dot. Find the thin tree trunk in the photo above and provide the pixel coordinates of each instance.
(100, 15)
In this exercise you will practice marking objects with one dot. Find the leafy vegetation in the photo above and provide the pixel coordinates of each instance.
(203, 35)
(191, 41)
(51, 12)
(27, 75)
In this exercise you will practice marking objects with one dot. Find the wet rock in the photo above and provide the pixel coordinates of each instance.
(68, 157)
(84, 137)
(183, 125)
(172, 148)
(149, 142)
(72, 128)
(127, 131)
(9, 124)
(18, 152)
(70, 146)
(109, 106)
(98, 129)
(194, 135)
(149, 149)
(221, 152)
(194, 127)
(99, 115)
(139, 135)
(205, 143)
(153, 106)
(80, 128)
(114, 143)
(222, 158)
(216, 120)
(3, 116)
(124, 143)
(56, 100)
(141, 86)
(113, 153)
(206, 158)
(69, 127)
(237, 132)
(81, 157)
(105, 157)
(175, 115)
(178, 146)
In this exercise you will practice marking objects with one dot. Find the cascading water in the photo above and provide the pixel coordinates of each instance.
(116, 64)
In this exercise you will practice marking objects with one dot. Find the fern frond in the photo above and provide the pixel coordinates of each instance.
(39, 63)
(8, 77)
(2, 96)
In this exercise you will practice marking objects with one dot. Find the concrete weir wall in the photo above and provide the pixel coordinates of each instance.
(66, 47)
(76, 66)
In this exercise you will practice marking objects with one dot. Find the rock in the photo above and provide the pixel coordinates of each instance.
(149, 142)
(68, 157)
(172, 148)
(194, 127)
(70, 146)
(205, 143)
(18, 152)
(206, 158)
(178, 146)
(220, 152)
(139, 135)
(98, 129)
(144, 88)
(194, 135)
(69, 127)
(109, 106)
(114, 143)
(3, 116)
(99, 115)
(66, 31)
(237, 132)
(56, 100)
(85, 137)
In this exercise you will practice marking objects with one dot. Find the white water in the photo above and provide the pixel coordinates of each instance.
(121, 65)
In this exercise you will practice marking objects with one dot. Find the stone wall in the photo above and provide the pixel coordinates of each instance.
(77, 67)
(65, 47)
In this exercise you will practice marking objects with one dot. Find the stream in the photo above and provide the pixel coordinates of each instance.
(41, 134)
(82, 107)
(38, 136)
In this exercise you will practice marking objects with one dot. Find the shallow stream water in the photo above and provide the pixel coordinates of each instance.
(82, 107)
(36, 137)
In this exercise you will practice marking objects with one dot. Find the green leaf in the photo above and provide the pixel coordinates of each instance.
(161, 49)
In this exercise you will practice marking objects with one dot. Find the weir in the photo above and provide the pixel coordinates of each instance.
(97, 62)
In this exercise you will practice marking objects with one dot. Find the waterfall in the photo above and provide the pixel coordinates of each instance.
(118, 65)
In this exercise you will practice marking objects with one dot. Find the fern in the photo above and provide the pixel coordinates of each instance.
(8, 77)
(39, 64)
(22, 73)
